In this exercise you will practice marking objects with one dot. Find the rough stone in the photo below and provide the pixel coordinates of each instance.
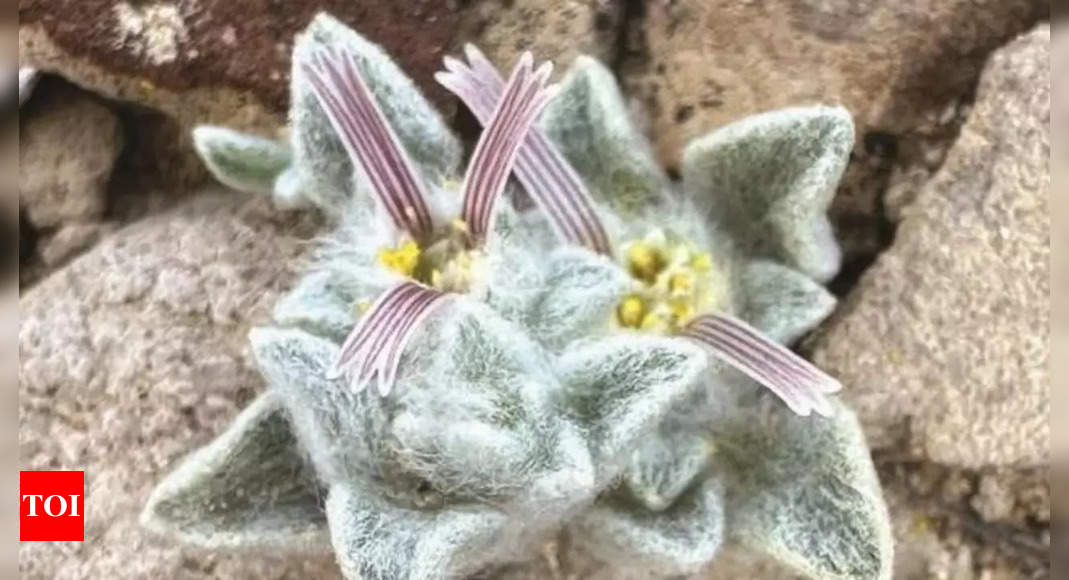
(215, 60)
(556, 31)
(903, 68)
(69, 240)
(895, 65)
(133, 356)
(69, 143)
(943, 344)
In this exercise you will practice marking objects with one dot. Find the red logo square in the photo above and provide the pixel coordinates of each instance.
(51, 506)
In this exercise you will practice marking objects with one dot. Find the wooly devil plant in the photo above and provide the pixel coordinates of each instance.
(470, 367)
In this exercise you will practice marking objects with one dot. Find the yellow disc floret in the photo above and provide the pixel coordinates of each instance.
(447, 263)
(631, 311)
(673, 281)
(644, 261)
(402, 259)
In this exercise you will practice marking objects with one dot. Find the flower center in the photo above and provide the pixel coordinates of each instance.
(674, 281)
(446, 264)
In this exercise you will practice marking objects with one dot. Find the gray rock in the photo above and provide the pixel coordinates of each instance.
(944, 341)
(551, 30)
(69, 240)
(134, 355)
(68, 148)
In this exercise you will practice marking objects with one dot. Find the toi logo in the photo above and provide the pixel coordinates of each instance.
(51, 506)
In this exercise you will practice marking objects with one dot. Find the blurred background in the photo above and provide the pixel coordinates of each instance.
(137, 277)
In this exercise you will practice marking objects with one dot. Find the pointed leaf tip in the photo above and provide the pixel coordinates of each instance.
(242, 161)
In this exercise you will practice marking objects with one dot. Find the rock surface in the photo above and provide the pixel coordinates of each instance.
(902, 68)
(895, 65)
(69, 240)
(209, 59)
(69, 143)
(944, 341)
(552, 30)
(133, 356)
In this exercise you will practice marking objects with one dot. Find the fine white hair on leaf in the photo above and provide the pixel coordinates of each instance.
(474, 413)
(620, 387)
(245, 162)
(781, 302)
(377, 540)
(680, 540)
(774, 176)
(805, 493)
(589, 123)
(250, 488)
(665, 465)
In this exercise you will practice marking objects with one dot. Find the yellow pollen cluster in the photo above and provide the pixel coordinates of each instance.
(672, 283)
(631, 311)
(446, 264)
(402, 259)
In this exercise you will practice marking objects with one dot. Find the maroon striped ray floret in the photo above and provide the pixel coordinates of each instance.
(798, 383)
(374, 347)
(546, 175)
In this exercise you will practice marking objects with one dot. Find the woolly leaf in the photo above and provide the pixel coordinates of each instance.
(338, 429)
(618, 389)
(288, 190)
(377, 540)
(244, 162)
(473, 412)
(590, 124)
(582, 291)
(557, 294)
(769, 179)
(783, 303)
(516, 247)
(665, 465)
(678, 541)
(319, 304)
(320, 158)
(804, 492)
(249, 488)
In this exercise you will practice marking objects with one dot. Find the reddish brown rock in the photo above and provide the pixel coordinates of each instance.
(180, 45)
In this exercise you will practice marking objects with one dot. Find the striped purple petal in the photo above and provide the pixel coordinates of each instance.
(544, 172)
(370, 141)
(801, 385)
(373, 349)
(495, 154)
